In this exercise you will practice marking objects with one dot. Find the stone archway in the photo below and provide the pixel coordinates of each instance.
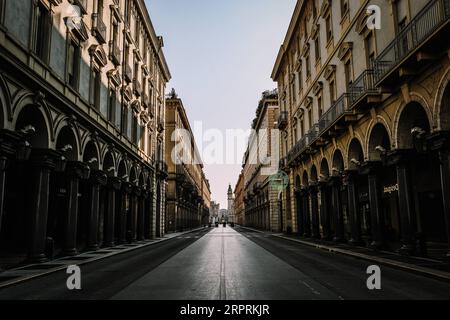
(32, 121)
(413, 125)
(379, 142)
(418, 178)
(24, 192)
(64, 220)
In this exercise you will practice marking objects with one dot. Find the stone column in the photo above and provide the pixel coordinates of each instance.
(97, 179)
(74, 172)
(314, 211)
(134, 212)
(113, 186)
(299, 203)
(306, 215)
(324, 210)
(149, 213)
(43, 161)
(3, 162)
(440, 142)
(12, 145)
(405, 197)
(125, 192)
(335, 183)
(372, 169)
(141, 216)
(353, 207)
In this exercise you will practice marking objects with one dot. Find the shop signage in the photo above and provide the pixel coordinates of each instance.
(390, 189)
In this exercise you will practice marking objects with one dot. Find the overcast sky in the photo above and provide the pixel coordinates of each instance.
(221, 54)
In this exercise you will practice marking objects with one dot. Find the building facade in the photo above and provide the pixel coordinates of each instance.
(214, 212)
(239, 208)
(188, 192)
(230, 209)
(82, 118)
(365, 120)
(261, 205)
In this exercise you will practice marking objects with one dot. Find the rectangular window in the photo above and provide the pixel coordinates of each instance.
(112, 101)
(300, 79)
(302, 126)
(2, 3)
(320, 105)
(344, 7)
(370, 50)
(332, 91)
(308, 66)
(136, 33)
(73, 64)
(317, 47)
(134, 125)
(96, 84)
(127, 13)
(293, 92)
(329, 28)
(310, 118)
(124, 122)
(100, 8)
(348, 73)
(42, 32)
(150, 145)
(142, 138)
(115, 34)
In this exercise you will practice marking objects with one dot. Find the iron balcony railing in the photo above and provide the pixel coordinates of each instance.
(283, 119)
(431, 17)
(338, 109)
(363, 85)
(298, 149)
(313, 134)
(114, 53)
(98, 28)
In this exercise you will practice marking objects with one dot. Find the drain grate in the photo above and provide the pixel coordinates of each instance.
(41, 267)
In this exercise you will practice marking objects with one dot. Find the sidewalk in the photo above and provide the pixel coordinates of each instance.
(24, 273)
(428, 267)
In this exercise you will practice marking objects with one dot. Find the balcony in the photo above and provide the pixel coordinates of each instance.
(339, 109)
(114, 53)
(283, 120)
(363, 92)
(297, 150)
(128, 73)
(137, 87)
(421, 30)
(98, 28)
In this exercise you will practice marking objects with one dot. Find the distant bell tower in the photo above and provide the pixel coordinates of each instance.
(230, 204)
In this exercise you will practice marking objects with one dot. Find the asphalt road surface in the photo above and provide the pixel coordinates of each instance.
(229, 264)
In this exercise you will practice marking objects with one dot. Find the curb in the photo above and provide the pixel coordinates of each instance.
(431, 273)
(88, 261)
